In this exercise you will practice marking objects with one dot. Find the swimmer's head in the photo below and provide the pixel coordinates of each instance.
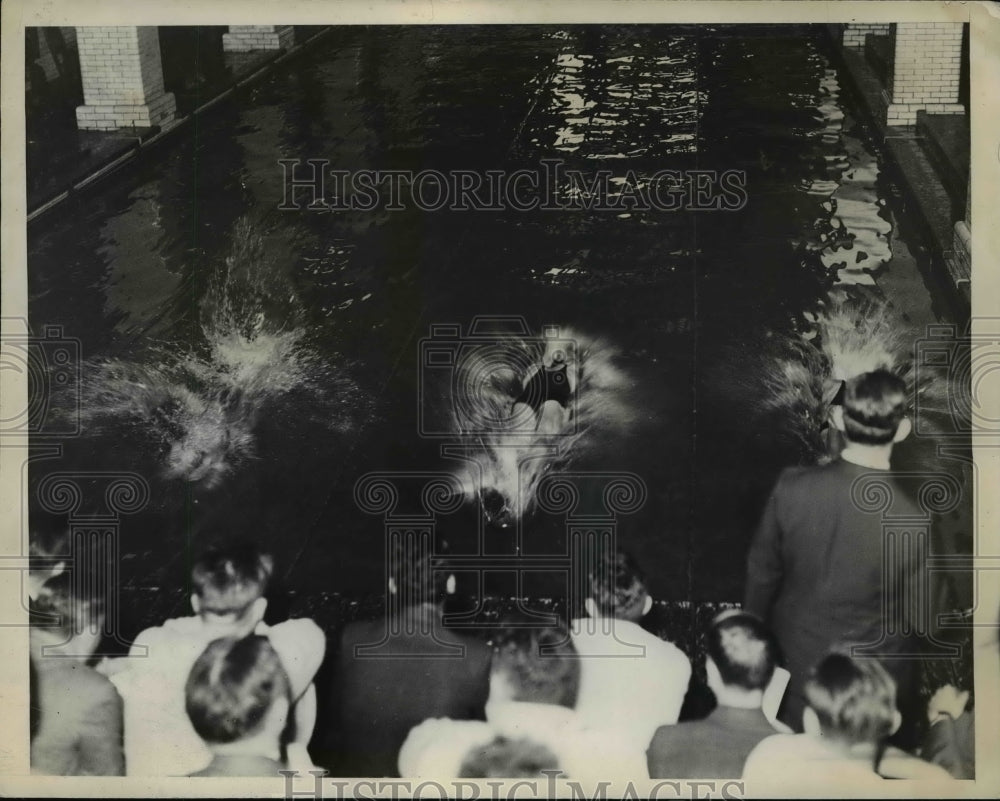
(496, 508)
(559, 352)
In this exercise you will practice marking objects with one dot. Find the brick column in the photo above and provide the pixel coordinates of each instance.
(122, 79)
(855, 32)
(925, 72)
(242, 38)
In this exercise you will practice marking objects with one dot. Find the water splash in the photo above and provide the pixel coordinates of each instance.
(199, 405)
(516, 447)
(795, 376)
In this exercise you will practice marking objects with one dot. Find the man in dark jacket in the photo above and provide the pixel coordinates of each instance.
(393, 673)
(817, 570)
(740, 661)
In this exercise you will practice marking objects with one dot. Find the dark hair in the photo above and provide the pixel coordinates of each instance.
(854, 699)
(617, 586)
(413, 570)
(874, 406)
(541, 664)
(508, 759)
(229, 577)
(744, 651)
(232, 686)
(64, 607)
(48, 540)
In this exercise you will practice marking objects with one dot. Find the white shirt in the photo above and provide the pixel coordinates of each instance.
(631, 681)
(805, 765)
(159, 739)
(438, 747)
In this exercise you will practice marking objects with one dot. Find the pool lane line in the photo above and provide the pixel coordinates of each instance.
(158, 133)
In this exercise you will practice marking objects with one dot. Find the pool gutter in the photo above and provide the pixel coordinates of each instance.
(149, 137)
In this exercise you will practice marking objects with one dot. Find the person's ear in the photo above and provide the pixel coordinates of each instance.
(257, 610)
(590, 606)
(500, 687)
(810, 722)
(903, 430)
(449, 585)
(392, 586)
(712, 674)
(196, 603)
(647, 605)
(897, 721)
(837, 417)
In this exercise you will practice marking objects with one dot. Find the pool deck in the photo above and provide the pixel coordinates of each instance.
(929, 162)
(70, 160)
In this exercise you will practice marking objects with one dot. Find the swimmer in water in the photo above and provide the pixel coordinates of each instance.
(543, 406)
(546, 399)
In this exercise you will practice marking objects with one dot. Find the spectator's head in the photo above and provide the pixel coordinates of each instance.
(536, 665)
(617, 588)
(229, 585)
(66, 619)
(412, 576)
(48, 552)
(237, 695)
(741, 654)
(874, 409)
(508, 759)
(850, 701)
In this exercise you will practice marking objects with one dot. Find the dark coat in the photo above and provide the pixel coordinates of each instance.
(384, 686)
(817, 570)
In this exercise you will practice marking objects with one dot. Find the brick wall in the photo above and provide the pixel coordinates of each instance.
(122, 78)
(926, 70)
(855, 32)
(241, 38)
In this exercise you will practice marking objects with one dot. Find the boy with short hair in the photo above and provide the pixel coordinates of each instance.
(238, 698)
(740, 662)
(850, 715)
(534, 682)
(230, 583)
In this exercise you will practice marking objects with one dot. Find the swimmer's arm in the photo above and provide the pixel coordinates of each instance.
(530, 374)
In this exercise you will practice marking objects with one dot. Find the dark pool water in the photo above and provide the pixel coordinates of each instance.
(676, 293)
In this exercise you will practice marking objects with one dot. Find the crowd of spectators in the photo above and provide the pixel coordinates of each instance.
(597, 697)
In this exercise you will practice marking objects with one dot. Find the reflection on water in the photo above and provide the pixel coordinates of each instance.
(853, 238)
(223, 348)
(626, 100)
